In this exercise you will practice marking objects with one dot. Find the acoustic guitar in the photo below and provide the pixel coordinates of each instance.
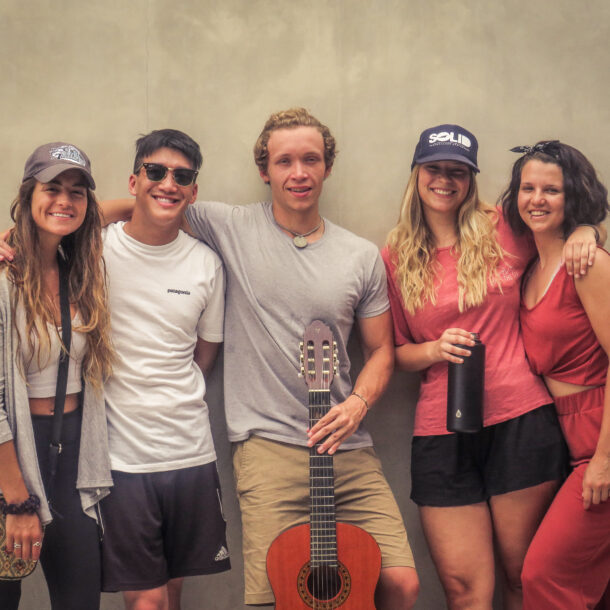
(324, 565)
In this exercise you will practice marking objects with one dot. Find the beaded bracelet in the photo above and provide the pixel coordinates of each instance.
(595, 229)
(27, 507)
(363, 399)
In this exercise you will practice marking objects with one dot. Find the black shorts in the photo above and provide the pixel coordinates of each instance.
(162, 525)
(461, 469)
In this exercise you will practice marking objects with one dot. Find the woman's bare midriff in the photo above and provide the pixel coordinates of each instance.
(45, 406)
(562, 388)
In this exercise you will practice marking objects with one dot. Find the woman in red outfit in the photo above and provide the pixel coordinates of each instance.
(567, 339)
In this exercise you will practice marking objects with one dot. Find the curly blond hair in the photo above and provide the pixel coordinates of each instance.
(87, 283)
(290, 119)
(413, 251)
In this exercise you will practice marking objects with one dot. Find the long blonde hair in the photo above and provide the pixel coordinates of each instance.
(413, 251)
(87, 284)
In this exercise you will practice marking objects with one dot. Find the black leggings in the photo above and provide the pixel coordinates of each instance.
(70, 554)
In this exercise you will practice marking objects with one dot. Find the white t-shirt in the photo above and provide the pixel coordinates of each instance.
(161, 299)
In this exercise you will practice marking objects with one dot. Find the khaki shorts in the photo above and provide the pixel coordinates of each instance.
(272, 482)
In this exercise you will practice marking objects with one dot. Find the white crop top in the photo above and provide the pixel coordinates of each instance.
(42, 377)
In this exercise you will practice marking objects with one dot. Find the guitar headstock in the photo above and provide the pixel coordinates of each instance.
(318, 356)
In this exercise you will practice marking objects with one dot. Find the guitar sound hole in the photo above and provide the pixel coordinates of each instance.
(324, 582)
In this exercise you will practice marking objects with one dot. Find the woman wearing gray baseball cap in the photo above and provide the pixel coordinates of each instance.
(51, 482)
(454, 269)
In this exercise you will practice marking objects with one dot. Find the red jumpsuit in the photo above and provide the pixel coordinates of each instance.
(568, 563)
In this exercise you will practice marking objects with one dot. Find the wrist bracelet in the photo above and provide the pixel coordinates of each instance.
(363, 399)
(27, 507)
(595, 229)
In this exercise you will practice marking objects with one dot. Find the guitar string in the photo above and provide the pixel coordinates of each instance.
(313, 526)
(322, 514)
(313, 493)
(322, 577)
(328, 482)
(325, 575)
(317, 584)
(319, 573)
(314, 557)
(323, 584)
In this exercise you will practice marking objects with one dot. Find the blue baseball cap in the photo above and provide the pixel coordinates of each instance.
(446, 143)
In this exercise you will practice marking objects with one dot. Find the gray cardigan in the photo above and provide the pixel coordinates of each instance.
(94, 479)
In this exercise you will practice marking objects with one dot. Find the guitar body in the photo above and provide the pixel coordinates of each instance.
(289, 573)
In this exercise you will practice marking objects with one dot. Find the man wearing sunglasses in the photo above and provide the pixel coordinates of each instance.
(163, 519)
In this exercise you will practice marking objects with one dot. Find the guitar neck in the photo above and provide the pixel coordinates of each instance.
(322, 491)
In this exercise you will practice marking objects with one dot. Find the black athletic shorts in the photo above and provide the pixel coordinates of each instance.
(462, 469)
(162, 525)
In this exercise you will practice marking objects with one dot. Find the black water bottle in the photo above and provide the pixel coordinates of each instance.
(465, 390)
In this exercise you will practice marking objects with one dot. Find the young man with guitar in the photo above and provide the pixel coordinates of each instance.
(286, 267)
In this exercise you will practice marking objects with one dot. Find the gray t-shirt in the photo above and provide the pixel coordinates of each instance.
(274, 291)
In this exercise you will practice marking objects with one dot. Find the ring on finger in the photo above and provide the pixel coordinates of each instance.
(37, 543)
(16, 545)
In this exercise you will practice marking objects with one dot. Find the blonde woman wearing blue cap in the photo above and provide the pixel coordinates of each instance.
(48, 483)
(454, 268)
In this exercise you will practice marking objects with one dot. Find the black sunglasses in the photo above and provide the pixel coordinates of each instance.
(157, 172)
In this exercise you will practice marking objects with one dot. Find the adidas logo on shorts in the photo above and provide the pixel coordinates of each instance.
(223, 553)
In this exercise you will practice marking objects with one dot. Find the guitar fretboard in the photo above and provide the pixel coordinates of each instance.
(322, 491)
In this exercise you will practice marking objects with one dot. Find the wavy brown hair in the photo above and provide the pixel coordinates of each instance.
(291, 119)
(586, 198)
(87, 283)
(413, 251)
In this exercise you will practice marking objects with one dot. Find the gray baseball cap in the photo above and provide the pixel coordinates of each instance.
(50, 160)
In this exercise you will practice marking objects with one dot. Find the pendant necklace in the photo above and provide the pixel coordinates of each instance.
(299, 239)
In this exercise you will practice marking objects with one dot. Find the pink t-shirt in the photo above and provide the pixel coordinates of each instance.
(511, 389)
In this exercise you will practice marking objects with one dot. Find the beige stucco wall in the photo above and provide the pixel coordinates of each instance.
(376, 71)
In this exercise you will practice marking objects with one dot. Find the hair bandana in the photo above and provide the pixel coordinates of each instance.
(543, 147)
